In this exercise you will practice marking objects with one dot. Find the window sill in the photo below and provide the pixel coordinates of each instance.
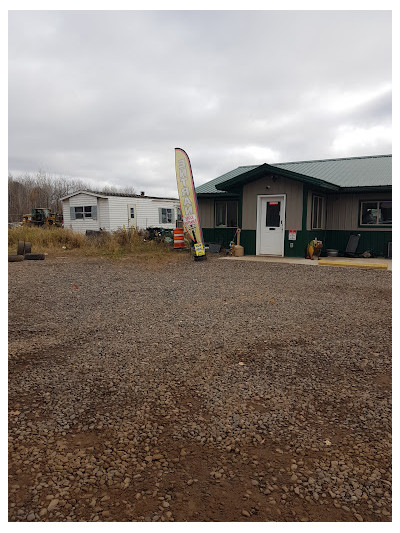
(364, 226)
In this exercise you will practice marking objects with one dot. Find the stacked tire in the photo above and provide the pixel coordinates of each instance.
(24, 251)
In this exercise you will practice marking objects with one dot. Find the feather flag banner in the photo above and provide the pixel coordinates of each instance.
(188, 200)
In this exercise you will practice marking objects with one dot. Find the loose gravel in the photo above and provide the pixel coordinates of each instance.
(208, 391)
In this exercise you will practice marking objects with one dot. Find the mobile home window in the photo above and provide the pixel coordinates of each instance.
(166, 215)
(83, 212)
(226, 214)
(318, 212)
(377, 213)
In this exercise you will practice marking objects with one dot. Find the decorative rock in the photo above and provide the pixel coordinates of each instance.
(52, 505)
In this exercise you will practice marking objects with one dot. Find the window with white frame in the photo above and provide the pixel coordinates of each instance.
(166, 215)
(226, 214)
(378, 213)
(318, 212)
(83, 212)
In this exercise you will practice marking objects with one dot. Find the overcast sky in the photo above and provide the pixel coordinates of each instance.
(108, 95)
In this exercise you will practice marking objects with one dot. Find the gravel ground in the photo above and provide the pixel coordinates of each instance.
(211, 391)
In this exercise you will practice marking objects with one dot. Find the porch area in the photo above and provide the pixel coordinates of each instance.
(352, 262)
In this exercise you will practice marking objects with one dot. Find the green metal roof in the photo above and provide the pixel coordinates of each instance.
(209, 187)
(350, 172)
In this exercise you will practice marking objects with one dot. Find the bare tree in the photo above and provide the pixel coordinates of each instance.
(44, 190)
(41, 190)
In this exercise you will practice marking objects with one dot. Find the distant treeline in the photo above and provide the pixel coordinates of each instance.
(44, 190)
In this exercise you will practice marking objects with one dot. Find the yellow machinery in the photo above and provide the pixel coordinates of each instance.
(41, 216)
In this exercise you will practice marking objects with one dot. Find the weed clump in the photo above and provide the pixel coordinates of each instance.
(116, 244)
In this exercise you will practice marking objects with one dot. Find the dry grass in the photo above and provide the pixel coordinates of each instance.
(122, 243)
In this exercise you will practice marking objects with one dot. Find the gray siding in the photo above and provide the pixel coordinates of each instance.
(294, 201)
(343, 210)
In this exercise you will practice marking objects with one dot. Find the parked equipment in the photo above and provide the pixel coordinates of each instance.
(42, 216)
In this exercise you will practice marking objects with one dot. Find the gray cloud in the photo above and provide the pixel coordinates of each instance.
(108, 95)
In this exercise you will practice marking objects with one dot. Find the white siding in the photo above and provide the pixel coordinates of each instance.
(112, 212)
(118, 211)
(66, 214)
(103, 214)
(80, 225)
(146, 212)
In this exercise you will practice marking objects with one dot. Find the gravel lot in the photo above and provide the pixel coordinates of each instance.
(212, 391)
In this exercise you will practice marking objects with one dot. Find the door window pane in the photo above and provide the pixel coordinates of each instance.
(273, 218)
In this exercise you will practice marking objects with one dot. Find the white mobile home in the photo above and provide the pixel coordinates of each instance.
(88, 210)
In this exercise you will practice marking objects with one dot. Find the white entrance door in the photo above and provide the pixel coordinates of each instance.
(131, 216)
(270, 224)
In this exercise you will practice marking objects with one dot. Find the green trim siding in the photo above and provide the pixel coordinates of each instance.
(221, 236)
(375, 241)
(248, 241)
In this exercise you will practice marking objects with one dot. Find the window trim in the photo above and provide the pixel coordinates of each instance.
(377, 225)
(83, 212)
(226, 214)
(322, 211)
(166, 209)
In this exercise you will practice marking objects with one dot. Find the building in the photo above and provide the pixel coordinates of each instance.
(88, 210)
(281, 207)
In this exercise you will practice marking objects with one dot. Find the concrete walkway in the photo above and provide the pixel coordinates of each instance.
(308, 262)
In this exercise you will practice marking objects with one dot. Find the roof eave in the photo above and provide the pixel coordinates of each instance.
(367, 188)
(260, 171)
(218, 194)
